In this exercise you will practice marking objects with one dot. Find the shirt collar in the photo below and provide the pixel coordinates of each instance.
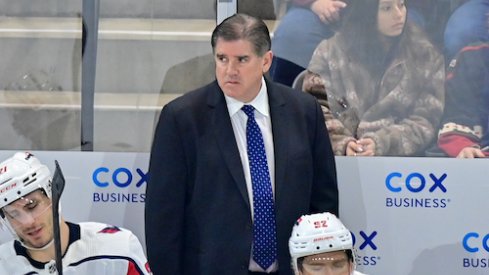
(260, 102)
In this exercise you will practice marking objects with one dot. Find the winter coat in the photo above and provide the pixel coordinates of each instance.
(401, 112)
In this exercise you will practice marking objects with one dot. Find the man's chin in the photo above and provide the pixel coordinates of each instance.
(230, 92)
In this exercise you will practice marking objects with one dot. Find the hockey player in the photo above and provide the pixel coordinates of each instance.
(87, 248)
(321, 245)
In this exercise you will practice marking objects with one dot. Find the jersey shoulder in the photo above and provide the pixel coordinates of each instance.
(7, 250)
(103, 232)
(11, 263)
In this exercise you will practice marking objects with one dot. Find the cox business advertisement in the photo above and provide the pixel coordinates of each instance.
(416, 216)
(408, 216)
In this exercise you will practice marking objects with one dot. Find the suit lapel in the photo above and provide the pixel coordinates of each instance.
(226, 141)
(280, 120)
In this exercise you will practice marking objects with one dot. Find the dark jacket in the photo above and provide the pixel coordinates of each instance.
(197, 215)
(465, 119)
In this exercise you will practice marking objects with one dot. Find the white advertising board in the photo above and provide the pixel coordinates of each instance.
(409, 216)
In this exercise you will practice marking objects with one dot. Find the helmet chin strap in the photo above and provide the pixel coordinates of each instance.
(37, 249)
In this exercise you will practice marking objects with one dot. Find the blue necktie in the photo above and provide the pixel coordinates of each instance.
(264, 229)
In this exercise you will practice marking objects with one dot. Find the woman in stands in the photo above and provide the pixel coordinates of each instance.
(379, 81)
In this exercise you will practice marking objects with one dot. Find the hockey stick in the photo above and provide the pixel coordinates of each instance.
(58, 185)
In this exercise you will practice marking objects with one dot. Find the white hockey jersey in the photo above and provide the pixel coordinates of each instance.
(94, 248)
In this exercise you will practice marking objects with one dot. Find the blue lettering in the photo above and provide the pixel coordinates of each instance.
(115, 178)
(105, 197)
(144, 177)
(367, 240)
(416, 202)
(476, 262)
(121, 177)
(484, 243)
(410, 186)
(466, 239)
(415, 182)
(95, 177)
(438, 183)
(475, 235)
(388, 182)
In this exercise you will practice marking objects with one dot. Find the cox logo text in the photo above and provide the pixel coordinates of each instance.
(121, 177)
(415, 182)
(367, 240)
(474, 245)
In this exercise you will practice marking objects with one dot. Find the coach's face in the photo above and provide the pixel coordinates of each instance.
(239, 69)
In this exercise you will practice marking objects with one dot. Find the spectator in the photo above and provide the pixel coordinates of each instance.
(87, 248)
(307, 23)
(380, 83)
(303, 27)
(465, 132)
(466, 25)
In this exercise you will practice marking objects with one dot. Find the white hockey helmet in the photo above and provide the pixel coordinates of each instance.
(20, 175)
(318, 233)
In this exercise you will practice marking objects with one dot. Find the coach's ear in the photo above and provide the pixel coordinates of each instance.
(267, 61)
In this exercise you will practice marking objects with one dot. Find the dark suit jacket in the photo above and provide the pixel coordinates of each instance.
(197, 212)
